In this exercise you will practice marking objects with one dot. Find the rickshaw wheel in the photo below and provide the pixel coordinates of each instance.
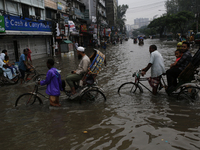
(191, 93)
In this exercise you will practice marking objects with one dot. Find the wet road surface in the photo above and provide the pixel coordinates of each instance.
(139, 121)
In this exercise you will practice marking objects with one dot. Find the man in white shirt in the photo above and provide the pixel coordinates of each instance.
(157, 66)
(3, 54)
(78, 74)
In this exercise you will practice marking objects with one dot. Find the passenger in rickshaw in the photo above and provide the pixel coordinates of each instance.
(5, 71)
(173, 73)
(179, 45)
(157, 66)
(178, 54)
(3, 54)
(78, 74)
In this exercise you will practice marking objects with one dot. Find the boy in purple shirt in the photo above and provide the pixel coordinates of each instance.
(53, 82)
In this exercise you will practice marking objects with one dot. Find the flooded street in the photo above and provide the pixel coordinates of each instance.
(138, 121)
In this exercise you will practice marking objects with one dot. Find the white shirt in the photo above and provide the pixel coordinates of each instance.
(2, 56)
(1, 63)
(76, 44)
(158, 67)
(84, 65)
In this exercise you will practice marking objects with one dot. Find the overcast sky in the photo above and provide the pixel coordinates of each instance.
(143, 9)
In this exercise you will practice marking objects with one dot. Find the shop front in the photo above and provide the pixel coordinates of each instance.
(25, 33)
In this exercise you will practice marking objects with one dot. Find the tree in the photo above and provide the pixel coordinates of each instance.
(158, 25)
(179, 22)
(175, 6)
(121, 17)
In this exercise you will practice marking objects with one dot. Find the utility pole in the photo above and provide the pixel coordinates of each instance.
(97, 21)
(197, 16)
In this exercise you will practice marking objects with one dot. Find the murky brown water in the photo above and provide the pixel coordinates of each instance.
(140, 121)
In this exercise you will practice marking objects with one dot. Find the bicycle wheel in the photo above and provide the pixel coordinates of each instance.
(27, 99)
(191, 93)
(128, 88)
(93, 95)
(40, 77)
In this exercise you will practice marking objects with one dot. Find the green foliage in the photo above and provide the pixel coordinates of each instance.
(144, 30)
(172, 22)
(175, 6)
(121, 17)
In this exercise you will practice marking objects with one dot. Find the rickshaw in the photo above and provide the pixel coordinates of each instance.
(89, 91)
(135, 40)
(169, 38)
(187, 88)
(141, 42)
(197, 38)
(5, 81)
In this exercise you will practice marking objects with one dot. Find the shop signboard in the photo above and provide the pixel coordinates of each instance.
(66, 29)
(78, 13)
(71, 26)
(86, 14)
(83, 28)
(61, 6)
(2, 24)
(15, 23)
(66, 18)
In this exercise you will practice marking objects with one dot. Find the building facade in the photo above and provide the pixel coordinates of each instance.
(111, 8)
(42, 25)
(141, 22)
(25, 26)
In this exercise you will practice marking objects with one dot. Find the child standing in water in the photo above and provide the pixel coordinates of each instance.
(53, 82)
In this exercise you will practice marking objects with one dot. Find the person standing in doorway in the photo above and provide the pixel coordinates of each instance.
(29, 55)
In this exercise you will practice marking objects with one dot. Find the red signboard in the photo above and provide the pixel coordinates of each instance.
(83, 28)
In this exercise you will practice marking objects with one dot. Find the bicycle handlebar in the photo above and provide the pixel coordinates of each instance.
(137, 73)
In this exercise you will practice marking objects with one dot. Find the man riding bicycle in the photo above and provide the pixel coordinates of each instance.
(78, 74)
(157, 68)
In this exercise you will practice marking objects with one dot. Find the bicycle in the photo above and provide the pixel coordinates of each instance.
(30, 98)
(133, 86)
(33, 74)
(90, 92)
(189, 91)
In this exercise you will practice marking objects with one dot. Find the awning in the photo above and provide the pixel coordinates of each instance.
(67, 41)
(75, 33)
(25, 33)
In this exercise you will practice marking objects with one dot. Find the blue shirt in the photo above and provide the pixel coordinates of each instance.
(53, 82)
(21, 65)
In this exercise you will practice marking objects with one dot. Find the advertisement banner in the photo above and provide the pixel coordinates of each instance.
(71, 26)
(83, 28)
(15, 23)
(78, 13)
(2, 24)
(66, 18)
(66, 30)
(86, 14)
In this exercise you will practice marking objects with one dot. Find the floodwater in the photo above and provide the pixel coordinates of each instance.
(139, 121)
